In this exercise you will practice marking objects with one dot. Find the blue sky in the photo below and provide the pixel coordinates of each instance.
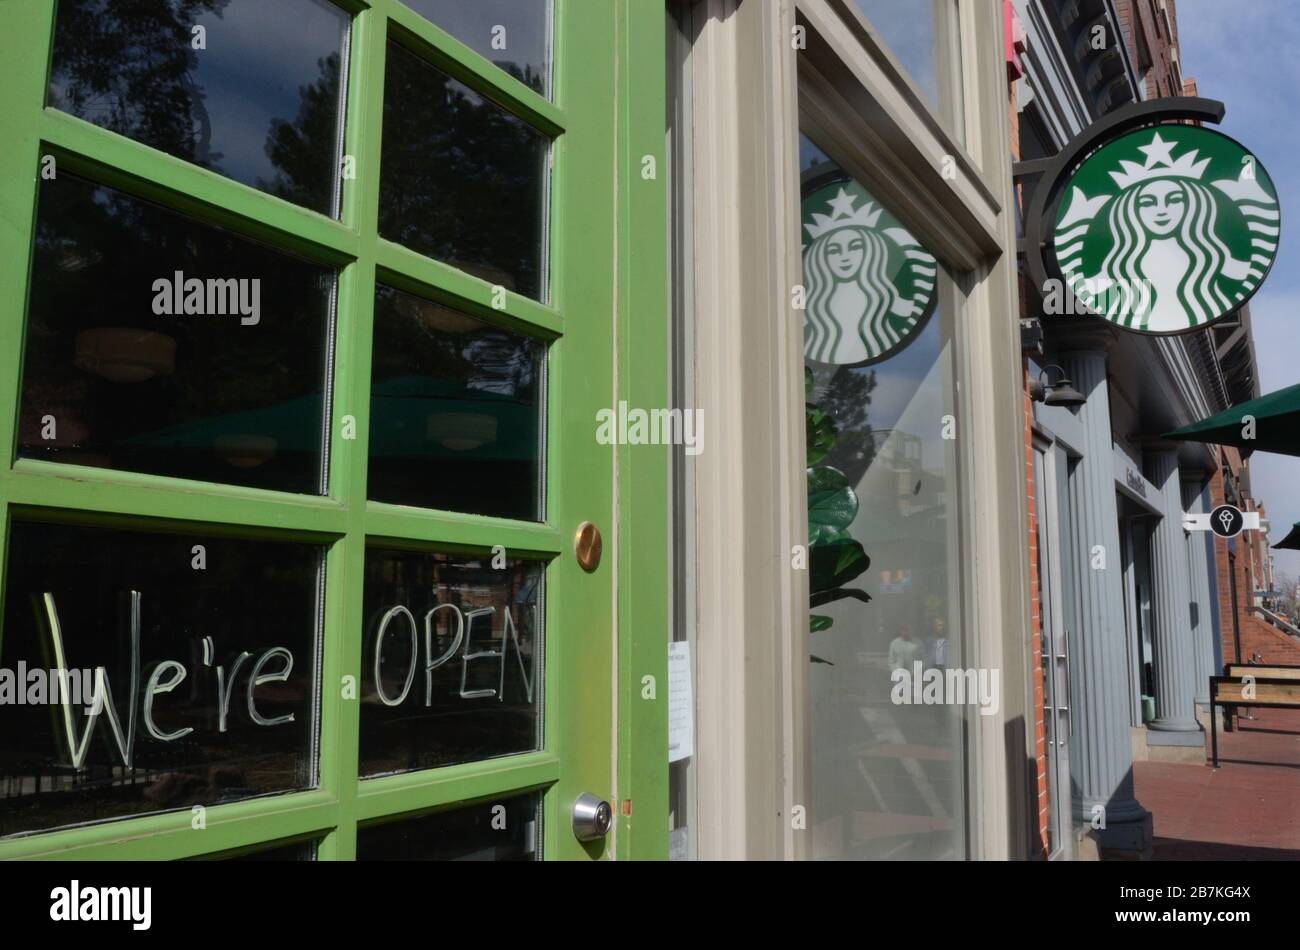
(1244, 53)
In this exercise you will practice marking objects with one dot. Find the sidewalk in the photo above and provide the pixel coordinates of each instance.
(1249, 809)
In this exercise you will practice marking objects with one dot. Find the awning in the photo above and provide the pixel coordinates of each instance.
(1292, 540)
(1276, 424)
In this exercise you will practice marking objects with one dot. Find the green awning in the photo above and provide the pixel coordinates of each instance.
(1292, 540)
(1277, 424)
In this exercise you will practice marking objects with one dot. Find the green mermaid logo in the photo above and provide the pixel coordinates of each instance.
(1167, 230)
(869, 284)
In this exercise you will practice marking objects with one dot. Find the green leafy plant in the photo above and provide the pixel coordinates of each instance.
(834, 557)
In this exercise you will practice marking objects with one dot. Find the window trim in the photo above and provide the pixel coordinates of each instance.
(753, 750)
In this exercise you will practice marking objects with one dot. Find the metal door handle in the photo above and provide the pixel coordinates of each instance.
(1069, 699)
(592, 817)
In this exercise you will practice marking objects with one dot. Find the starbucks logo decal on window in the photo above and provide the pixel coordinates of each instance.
(1168, 229)
(869, 284)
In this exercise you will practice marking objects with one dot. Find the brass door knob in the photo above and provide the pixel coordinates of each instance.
(588, 546)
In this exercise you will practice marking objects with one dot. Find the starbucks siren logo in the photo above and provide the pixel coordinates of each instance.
(1166, 230)
(870, 285)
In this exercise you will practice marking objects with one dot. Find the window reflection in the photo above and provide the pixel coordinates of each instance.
(209, 652)
(161, 345)
(922, 36)
(451, 661)
(300, 851)
(514, 34)
(248, 89)
(462, 181)
(887, 777)
(455, 411)
(506, 829)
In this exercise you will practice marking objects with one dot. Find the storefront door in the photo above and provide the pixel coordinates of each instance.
(306, 328)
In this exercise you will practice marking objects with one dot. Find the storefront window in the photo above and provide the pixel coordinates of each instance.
(888, 776)
(247, 89)
(162, 345)
(923, 38)
(206, 648)
(456, 411)
(513, 34)
(451, 661)
(302, 851)
(505, 830)
(462, 180)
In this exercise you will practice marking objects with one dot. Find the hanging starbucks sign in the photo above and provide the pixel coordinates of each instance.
(1152, 224)
(869, 286)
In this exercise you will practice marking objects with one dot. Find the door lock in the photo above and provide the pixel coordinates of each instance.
(592, 817)
(587, 546)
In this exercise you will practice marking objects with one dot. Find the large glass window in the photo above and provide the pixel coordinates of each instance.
(462, 181)
(457, 410)
(451, 660)
(888, 776)
(162, 345)
(248, 89)
(922, 35)
(513, 34)
(148, 672)
(506, 830)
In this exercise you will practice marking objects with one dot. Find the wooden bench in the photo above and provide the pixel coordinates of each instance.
(1277, 691)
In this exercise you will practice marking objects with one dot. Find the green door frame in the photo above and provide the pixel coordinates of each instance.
(607, 631)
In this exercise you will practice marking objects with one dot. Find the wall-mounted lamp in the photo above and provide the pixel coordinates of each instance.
(1062, 394)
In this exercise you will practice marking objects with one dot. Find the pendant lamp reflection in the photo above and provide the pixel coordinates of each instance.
(124, 354)
(245, 450)
(462, 431)
(434, 315)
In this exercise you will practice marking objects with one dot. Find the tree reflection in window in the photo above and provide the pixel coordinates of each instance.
(462, 180)
(109, 381)
(246, 89)
(514, 34)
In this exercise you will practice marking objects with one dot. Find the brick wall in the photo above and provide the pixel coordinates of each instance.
(1036, 632)
(1257, 636)
(1041, 846)
(1145, 29)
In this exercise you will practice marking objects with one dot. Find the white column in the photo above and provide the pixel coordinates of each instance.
(1173, 642)
(1205, 609)
(1101, 752)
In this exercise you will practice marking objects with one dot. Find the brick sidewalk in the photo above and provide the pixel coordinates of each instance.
(1249, 809)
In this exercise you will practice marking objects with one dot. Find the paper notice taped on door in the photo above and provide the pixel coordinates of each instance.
(681, 707)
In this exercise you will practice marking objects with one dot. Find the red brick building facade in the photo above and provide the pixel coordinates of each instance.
(1236, 564)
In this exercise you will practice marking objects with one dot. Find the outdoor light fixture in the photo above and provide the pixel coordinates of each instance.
(1062, 394)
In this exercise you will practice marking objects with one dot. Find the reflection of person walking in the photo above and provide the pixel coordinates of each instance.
(903, 650)
(937, 647)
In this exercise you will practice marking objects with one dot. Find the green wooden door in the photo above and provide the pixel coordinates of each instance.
(305, 323)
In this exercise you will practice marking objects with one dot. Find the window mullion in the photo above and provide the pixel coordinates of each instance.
(344, 620)
(29, 28)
